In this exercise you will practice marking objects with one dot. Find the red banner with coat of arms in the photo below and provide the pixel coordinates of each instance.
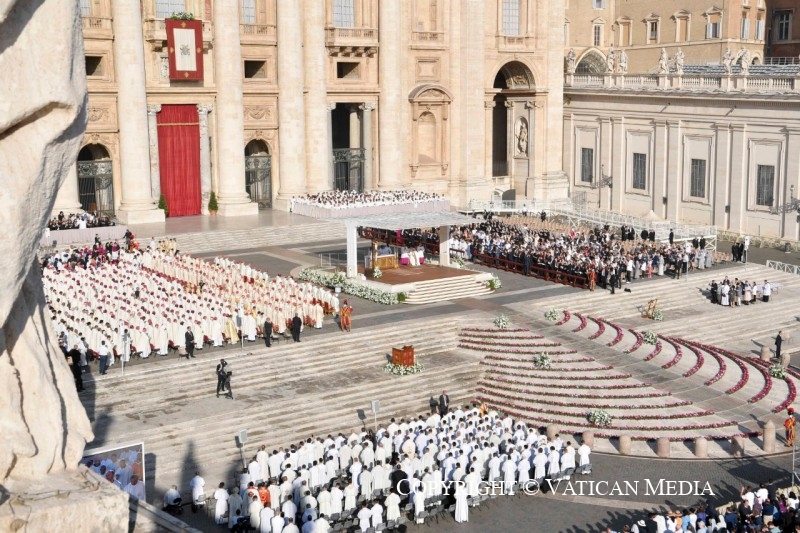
(185, 48)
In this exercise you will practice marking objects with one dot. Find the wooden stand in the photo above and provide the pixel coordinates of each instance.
(403, 356)
(651, 309)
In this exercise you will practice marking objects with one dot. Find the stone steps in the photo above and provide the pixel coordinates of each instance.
(439, 290)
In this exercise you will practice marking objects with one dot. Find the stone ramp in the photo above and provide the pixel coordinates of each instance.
(283, 394)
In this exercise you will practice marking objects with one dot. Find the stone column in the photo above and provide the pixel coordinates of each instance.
(488, 124)
(673, 170)
(137, 204)
(617, 164)
(205, 156)
(390, 124)
(355, 127)
(317, 144)
(625, 445)
(155, 170)
(700, 447)
(720, 175)
(291, 107)
(738, 178)
(68, 199)
(769, 437)
(232, 195)
(352, 251)
(366, 127)
(663, 446)
(330, 108)
(444, 245)
(790, 223)
(660, 167)
(603, 161)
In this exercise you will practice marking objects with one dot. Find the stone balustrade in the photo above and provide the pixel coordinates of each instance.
(733, 83)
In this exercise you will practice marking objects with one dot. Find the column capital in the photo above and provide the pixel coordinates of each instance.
(367, 106)
(509, 104)
(331, 106)
(489, 104)
(204, 109)
(153, 109)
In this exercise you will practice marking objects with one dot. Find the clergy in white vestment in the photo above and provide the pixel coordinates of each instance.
(419, 506)
(254, 508)
(583, 454)
(462, 508)
(377, 514)
(235, 503)
(197, 485)
(265, 520)
(553, 463)
(392, 503)
(350, 494)
(277, 522)
(509, 475)
(337, 497)
(472, 482)
(364, 517)
(321, 525)
(135, 488)
(568, 460)
(539, 464)
(324, 502)
(494, 468)
(366, 484)
(221, 496)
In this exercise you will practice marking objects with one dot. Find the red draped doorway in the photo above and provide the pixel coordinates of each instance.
(179, 158)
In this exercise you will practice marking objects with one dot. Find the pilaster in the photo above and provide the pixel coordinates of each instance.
(390, 66)
(738, 178)
(791, 222)
(674, 159)
(660, 155)
(155, 170)
(317, 142)
(366, 125)
(233, 199)
(137, 204)
(205, 156)
(721, 176)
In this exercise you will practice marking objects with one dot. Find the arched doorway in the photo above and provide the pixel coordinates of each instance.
(592, 62)
(258, 173)
(95, 183)
(512, 120)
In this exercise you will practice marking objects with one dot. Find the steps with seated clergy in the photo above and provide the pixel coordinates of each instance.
(438, 290)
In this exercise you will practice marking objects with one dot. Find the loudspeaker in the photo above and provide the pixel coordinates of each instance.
(376, 406)
(242, 436)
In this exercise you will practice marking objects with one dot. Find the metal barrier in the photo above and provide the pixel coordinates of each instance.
(784, 267)
(331, 260)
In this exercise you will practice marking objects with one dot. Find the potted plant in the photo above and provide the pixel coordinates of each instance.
(212, 204)
(162, 204)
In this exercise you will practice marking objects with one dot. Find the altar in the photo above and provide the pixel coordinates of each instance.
(403, 356)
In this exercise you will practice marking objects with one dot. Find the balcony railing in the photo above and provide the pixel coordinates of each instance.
(156, 30)
(352, 41)
(97, 27)
(427, 36)
(778, 84)
(258, 33)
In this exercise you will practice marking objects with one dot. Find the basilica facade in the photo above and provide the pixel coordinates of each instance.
(261, 100)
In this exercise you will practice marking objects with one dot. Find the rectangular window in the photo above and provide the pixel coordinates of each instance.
(652, 32)
(248, 11)
(639, 171)
(255, 69)
(599, 4)
(347, 71)
(86, 8)
(165, 8)
(712, 30)
(344, 14)
(510, 17)
(765, 185)
(682, 26)
(697, 186)
(94, 66)
(782, 22)
(760, 30)
(597, 35)
(587, 164)
(745, 28)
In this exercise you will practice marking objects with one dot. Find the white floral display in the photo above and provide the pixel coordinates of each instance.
(650, 337)
(401, 370)
(551, 314)
(598, 417)
(494, 283)
(502, 321)
(777, 371)
(377, 273)
(349, 286)
(658, 315)
(542, 360)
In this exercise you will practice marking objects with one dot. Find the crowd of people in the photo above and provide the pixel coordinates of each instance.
(347, 199)
(121, 303)
(83, 220)
(122, 468)
(739, 292)
(600, 255)
(447, 458)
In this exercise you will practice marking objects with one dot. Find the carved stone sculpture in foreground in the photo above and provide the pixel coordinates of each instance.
(43, 427)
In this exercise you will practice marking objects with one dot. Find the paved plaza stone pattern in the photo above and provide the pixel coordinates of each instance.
(324, 385)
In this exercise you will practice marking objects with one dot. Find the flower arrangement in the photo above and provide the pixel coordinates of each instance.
(502, 322)
(598, 417)
(401, 370)
(658, 315)
(650, 337)
(494, 283)
(637, 344)
(582, 324)
(777, 371)
(789, 400)
(182, 15)
(542, 360)
(376, 273)
(601, 328)
(456, 261)
(678, 355)
(551, 314)
(619, 335)
(655, 352)
(564, 320)
(349, 286)
(468, 335)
